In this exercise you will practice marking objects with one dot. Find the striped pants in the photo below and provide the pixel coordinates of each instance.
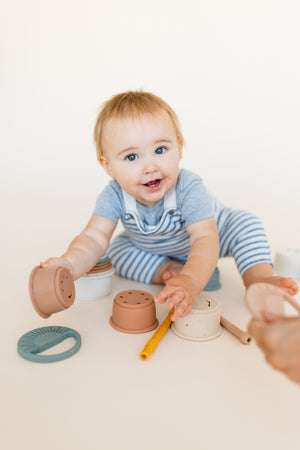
(241, 235)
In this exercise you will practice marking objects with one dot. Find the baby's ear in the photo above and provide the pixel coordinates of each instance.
(180, 146)
(104, 163)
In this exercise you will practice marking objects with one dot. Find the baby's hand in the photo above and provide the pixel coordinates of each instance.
(61, 262)
(183, 293)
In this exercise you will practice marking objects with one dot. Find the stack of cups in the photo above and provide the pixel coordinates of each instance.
(97, 282)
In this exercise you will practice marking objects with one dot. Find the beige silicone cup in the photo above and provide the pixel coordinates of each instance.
(203, 322)
(51, 290)
(133, 312)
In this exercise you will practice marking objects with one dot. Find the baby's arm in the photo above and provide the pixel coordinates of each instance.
(87, 248)
(200, 265)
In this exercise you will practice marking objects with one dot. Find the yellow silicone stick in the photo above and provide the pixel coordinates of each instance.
(153, 342)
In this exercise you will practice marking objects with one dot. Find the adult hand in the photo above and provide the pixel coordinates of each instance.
(279, 339)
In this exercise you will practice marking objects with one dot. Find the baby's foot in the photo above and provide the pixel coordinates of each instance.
(166, 271)
(174, 268)
(169, 274)
(286, 284)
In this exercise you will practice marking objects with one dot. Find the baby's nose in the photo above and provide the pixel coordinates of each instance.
(149, 168)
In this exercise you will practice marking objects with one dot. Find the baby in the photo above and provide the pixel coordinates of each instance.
(175, 231)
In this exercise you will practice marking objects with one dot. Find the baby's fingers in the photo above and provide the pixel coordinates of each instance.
(183, 309)
(165, 294)
(176, 298)
(50, 262)
(55, 261)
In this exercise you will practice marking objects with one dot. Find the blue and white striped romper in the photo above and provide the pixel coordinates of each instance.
(141, 249)
(138, 252)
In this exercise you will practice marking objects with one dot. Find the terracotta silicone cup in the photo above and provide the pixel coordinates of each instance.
(51, 290)
(134, 312)
(101, 268)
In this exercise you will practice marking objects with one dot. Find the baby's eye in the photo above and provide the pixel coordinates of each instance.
(131, 157)
(160, 150)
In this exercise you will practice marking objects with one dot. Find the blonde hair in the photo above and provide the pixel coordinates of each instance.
(132, 104)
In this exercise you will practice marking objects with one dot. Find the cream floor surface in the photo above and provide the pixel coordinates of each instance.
(188, 395)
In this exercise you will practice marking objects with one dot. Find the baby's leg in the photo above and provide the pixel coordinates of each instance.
(263, 273)
(243, 236)
(131, 262)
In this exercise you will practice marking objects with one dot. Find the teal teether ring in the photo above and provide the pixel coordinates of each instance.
(40, 339)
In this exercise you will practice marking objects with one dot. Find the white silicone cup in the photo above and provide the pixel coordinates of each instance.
(94, 287)
(203, 323)
(287, 262)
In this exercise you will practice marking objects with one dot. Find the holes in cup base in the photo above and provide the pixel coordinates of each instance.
(132, 298)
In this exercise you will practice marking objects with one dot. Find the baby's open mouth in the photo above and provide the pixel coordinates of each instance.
(153, 183)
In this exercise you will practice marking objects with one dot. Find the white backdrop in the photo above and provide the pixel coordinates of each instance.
(230, 69)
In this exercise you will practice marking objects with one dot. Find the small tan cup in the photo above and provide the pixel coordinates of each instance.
(203, 322)
(51, 290)
(133, 312)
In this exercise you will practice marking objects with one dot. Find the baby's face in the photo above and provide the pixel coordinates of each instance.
(142, 154)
